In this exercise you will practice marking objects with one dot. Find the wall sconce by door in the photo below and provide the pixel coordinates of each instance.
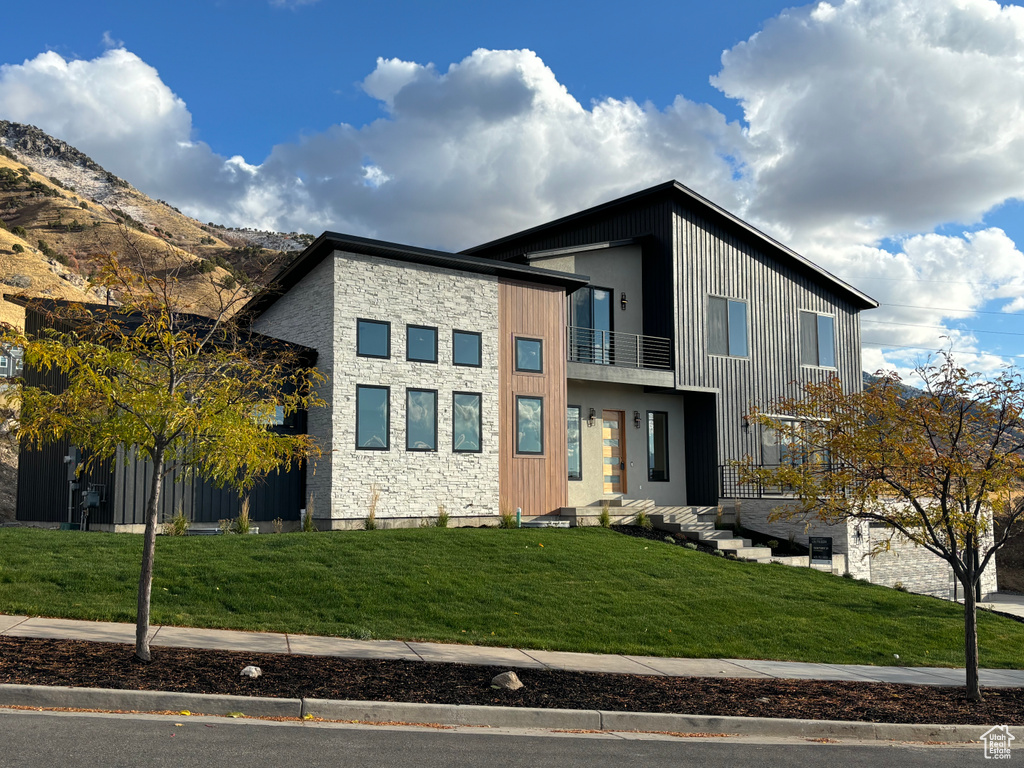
(636, 419)
(590, 417)
(623, 301)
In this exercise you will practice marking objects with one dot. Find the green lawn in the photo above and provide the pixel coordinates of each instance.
(586, 589)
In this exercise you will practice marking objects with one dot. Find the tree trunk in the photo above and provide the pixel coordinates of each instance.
(971, 641)
(148, 550)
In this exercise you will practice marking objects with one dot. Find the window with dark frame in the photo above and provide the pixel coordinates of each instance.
(529, 355)
(373, 338)
(467, 348)
(467, 422)
(657, 446)
(421, 419)
(373, 418)
(574, 415)
(421, 343)
(727, 327)
(529, 425)
(817, 340)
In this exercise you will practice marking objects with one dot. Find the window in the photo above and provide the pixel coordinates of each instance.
(373, 418)
(529, 425)
(421, 344)
(817, 340)
(466, 348)
(657, 446)
(373, 338)
(3, 365)
(421, 419)
(575, 414)
(466, 422)
(727, 327)
(590, 315)
(530, 355)
(793, 444)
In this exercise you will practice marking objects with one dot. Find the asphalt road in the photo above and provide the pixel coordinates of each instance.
(59, 740)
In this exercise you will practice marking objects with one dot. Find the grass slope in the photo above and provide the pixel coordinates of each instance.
(585, 589)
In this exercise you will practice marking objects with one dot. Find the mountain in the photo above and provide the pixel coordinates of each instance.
(60, 210)
(63, 209)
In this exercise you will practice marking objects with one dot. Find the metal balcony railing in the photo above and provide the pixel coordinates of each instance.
(730, 485)
(627, 350)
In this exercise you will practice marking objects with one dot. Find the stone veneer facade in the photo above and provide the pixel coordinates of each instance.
(905, 563)
(321, 312)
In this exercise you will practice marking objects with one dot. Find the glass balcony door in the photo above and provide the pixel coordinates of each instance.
(591, 315)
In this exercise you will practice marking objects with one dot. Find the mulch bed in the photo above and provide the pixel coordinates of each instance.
(30, 661)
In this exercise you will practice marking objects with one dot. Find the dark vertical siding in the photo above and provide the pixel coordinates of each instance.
(701, 442)
(715, 261)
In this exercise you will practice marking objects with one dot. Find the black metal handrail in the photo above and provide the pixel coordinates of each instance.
(730, 486)
(629, 350)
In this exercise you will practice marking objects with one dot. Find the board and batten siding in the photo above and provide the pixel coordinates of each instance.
(537, 484)
(713, 262)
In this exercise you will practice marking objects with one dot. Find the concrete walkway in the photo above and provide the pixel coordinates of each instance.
(1004, 602)
(269, 642)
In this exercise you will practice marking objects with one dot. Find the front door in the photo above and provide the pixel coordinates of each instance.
(614, 433)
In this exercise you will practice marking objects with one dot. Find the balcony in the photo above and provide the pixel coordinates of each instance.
(614, 356)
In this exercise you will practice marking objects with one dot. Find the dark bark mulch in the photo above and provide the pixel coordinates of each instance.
(30, 661)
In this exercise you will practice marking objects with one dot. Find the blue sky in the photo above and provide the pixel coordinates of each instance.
(880, 138)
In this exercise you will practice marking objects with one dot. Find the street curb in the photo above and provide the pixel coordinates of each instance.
(460, 714)
(146, 701)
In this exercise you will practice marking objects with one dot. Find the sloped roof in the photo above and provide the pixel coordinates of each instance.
(329, 242)
(686, 196)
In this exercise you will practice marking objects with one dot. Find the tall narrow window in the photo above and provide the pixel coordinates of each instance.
(727, 327)
(421, 420)
(657, 446)
(817, 340)
(590, 315)
(466, 422)
(574, 414)
(529, 355)
(421, 343)
(529, 424)
(373, 338)
(466, 348)
(373, 418)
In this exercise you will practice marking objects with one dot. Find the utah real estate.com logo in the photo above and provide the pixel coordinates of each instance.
(997, 742)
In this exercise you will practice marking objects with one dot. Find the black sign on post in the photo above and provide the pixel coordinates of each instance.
(821, 550)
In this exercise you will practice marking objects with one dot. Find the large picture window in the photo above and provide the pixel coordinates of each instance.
(590, 315)
(657, 446)
(373, 338)
(574, 414)
(421, 420)
(530, 355)
(727, 327)
(466, 422)
(529, 425)
(421, 343)
(817, 340)
(466, 348)
(373, 418)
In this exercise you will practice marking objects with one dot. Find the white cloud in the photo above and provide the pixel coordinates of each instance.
(109, 41)
(865, 120)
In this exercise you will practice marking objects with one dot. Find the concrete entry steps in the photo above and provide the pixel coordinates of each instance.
(699, 523)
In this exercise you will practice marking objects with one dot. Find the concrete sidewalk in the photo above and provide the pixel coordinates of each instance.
(268, 642)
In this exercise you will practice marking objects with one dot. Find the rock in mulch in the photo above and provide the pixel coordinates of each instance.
(507, 680)
(251, 671)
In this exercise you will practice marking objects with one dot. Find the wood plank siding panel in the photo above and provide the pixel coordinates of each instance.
(537, 484)
(714, 262)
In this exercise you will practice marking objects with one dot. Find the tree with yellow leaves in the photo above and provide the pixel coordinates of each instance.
(182, 389)
(937, 466)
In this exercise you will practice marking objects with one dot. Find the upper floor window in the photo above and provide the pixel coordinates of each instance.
(817, 340)
(727, 327)
(373, 338)
(466, 348)
(529, 355)
(421, 343)
(590, 315)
